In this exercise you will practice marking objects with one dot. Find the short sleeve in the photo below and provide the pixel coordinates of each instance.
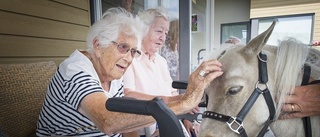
(79, 87)
(78, 83)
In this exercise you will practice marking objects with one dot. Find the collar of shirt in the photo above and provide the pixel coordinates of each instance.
(145, 56)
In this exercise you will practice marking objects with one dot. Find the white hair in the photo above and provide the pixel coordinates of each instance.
(148, 16)
(113, 22)
(291, 56)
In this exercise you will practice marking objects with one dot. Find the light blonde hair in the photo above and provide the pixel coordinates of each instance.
(292, 55)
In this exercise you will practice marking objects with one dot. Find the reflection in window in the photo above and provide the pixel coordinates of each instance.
(238, 30)
(136, 5)
(131, 5)
(299, 27)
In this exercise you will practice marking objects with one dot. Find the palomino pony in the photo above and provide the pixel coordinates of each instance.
(247, 99)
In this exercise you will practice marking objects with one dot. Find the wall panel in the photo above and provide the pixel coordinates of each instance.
(82, 4)
(17, 46)
(48, 10)
(42, 30)
(279, 3)
(17, 24)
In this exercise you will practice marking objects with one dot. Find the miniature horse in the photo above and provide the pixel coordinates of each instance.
(247, 99)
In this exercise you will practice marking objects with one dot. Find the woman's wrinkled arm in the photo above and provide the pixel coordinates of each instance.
(93, 105)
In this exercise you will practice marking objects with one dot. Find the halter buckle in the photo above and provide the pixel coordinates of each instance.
(234, 125)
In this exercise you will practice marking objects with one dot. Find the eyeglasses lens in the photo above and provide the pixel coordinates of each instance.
(124, 48)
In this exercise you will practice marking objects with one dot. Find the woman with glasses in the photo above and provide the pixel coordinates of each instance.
(77, 93)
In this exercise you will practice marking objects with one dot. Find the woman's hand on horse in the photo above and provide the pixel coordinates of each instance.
(204, 74)
(200, 79)
(207, 71)
(305, 101)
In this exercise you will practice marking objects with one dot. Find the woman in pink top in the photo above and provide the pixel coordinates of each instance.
(149, 72)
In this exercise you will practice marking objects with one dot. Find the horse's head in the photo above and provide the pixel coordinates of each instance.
(228, 93)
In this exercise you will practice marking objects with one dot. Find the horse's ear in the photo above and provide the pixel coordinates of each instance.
(256, 44)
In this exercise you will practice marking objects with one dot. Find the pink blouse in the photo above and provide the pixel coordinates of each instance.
(149, 76)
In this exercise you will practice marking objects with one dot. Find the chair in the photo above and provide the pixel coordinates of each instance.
(167, 121)
(23, 88)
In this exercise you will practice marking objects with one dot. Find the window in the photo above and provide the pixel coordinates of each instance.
(287, 27)
(240, 30)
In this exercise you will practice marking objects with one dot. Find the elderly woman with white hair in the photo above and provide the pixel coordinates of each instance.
(77, 93)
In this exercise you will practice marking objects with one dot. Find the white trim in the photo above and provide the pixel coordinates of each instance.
(97, 13)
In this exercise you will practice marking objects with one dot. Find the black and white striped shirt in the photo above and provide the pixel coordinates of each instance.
(75, 78)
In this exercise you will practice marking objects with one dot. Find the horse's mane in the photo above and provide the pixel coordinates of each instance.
(291, 57)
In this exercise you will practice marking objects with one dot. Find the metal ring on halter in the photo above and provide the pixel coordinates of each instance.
(260, 58)
(202, 73)
(266, 85)
(292, 107)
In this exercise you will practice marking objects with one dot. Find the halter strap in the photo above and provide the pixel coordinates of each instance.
(306, 120)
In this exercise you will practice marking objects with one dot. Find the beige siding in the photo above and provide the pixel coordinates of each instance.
(41, 30)
(269, 8)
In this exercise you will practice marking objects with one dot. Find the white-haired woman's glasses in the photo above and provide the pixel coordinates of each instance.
(123, 48)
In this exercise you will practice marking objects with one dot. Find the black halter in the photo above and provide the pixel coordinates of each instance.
(236, 123)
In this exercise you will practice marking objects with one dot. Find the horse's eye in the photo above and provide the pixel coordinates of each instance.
(234, 90)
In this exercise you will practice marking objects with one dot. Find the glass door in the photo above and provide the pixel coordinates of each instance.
(135, 5)
(199, 32)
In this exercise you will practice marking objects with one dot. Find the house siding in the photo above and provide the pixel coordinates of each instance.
(42, 30)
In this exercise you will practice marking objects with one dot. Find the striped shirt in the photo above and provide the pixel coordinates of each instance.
(75, 79)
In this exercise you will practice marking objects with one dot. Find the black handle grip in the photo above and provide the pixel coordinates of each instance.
(168, 122)
(128, 105)
(180, 84)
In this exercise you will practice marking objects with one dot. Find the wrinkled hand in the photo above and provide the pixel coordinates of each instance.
(199, 79)
(304, 102)
(188, 125)
(196, 127)
(196, 110)
(155, 133)
(191, 127)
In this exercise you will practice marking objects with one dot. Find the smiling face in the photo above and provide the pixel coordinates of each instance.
(156, 36)
(112, 64)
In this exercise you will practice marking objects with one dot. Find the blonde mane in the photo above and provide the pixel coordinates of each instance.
(291, 57)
